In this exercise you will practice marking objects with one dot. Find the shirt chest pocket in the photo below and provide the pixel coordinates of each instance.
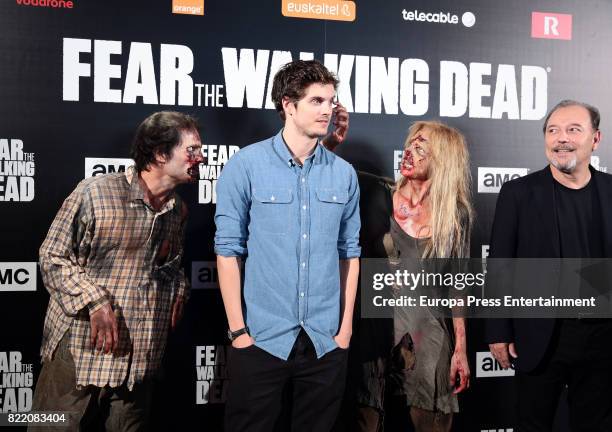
(271, 210)
(329, 207)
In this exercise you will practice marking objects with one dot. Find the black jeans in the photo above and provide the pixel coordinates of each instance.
(258, 380)
(581, 359)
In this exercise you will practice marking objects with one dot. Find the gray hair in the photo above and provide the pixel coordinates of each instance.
(593, 112)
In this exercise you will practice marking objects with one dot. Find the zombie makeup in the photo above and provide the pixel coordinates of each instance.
(195, 158)
(413, 154)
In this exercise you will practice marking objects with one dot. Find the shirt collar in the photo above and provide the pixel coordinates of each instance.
(282, 150)
(136, 193)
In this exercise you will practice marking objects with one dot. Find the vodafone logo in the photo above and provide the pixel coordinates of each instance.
(56, 4)
(468, 19)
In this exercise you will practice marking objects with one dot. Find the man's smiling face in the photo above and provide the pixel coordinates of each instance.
(570, 139)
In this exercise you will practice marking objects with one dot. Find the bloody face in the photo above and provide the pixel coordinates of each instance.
(415, 162)
(184, 161)
(194, 158)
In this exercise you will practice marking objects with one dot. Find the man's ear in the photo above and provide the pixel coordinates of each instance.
(160, 158)
(596, 139)
(288, 106)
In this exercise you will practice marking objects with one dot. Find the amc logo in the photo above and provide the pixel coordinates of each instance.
(488, 367)
(18, 276)
(490, 179)
(97, 166)
(204, 275)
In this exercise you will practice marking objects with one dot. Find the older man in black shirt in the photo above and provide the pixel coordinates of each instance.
(562, 211)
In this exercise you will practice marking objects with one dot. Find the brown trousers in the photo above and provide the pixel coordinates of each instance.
(370, 420)
(90, 408)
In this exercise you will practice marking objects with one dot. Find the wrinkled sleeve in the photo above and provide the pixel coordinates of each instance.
(348, 237)
(182, 287)
(64, 254)
(232, 214)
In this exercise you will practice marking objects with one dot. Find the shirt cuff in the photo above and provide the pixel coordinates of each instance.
(230, 251)
(183, 290)
(95, 305)
(354, 252)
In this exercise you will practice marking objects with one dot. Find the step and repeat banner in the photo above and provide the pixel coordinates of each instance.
(78, 76)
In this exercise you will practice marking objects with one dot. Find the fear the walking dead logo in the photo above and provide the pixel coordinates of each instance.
(368, 84)
(211, 372)
(17, 170)
(16, 380)
(215, 158)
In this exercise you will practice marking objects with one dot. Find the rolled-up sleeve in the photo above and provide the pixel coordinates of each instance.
(348, 238)
(232, 214)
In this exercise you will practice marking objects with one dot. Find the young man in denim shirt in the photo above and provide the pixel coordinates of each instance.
(290, 209)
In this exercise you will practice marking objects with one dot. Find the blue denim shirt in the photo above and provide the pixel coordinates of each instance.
(292, 224)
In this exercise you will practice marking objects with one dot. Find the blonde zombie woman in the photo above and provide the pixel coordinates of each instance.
(427, 213)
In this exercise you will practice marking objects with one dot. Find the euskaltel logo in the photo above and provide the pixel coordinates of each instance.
(56, 4)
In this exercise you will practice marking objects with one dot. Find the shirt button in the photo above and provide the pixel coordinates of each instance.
(304, 207)
(303, 179)
(303, 264)
(272, 198)
(304, 235)
(301, 323)
(334, 197)
(301, 294)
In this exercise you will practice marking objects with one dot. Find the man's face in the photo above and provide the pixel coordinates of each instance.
(312, 114)
(570, 139)
(417, 157)
(185, 158)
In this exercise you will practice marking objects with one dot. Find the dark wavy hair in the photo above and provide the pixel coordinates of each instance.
(158, 134)
(292, 80)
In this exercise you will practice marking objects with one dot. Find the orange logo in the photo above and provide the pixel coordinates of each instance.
(337, 10)
(188, 7)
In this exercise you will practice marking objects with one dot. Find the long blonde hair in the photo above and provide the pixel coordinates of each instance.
(450, 191)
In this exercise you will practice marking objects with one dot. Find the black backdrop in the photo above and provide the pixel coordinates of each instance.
(77, 77)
